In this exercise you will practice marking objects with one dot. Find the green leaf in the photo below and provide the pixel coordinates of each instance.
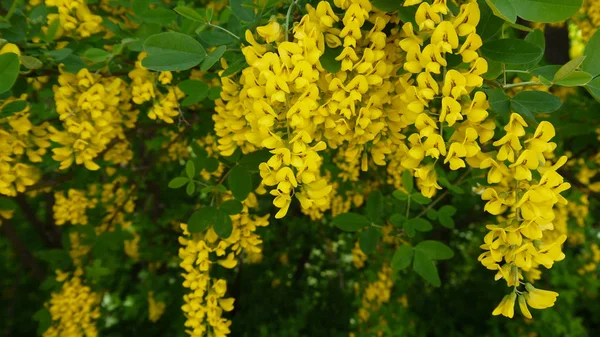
(494, 70)
(178, 182)
(234, 68)
(52, 30)
(397, 219)
(447, 210)
(432, 214)
(592, 55)
(575, 79)
(232, 207)
(30, 62)
(172, 51)
(196, 91)
(223, 225)
(503, 9)
(400, 195)
(190, 169)
(328, 60)
(214, 93)
(96, 55)
(489, 24)
(201, 219)
(59, 55)
(190, 13)
(350, 222)
(445, 215)
(9, 71)
(568, 68)
(407, 181)
(521, 109)
(242, 12)
(212, 164)
(594, 88)
(240, 183)
(140, 6)
(420, 224)
(251, 161)
(158, 15)
(44, 319)
(213, 58)
(402, 257)
(537, 38)
(513, 51)
(375, 205)
(368, 240)
(425, 267)
(546, 10)
(537, 101)
(12, 107)
(435, 250)
(545, 71)
(190, 188)
(499, 102)
(387, 5)
(420, 198)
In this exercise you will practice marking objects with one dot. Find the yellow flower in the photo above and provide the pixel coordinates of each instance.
(506, 306)
(539, 299)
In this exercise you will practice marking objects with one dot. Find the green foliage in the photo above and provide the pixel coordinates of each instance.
(172, 51)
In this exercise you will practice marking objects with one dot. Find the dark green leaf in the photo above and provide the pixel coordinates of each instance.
(402, 257)
(251, 161)
(489, 24)
(44, 319)
(420, 198)
(242, 12)
(158, 15)
(196, 91)
(232, 207)
(328, 60)
(368, 240)
(201, 219)
(425, 267)
(503, 9)
(375, 205)
(419, 224)
(350, 222)
(545, 71)
(212, 164)
(407, 181)
(435, 250)
(499, 102)
(240, 183)
(213, 58)
(190, 13)
(513, 51)
(223, 225)
(234, 68)
(59, 55)
(12, 107)
(400, 195)
(387, 5)
(397, 219)
(537, 101)
(172, 51)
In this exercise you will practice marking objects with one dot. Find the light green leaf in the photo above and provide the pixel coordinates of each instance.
(568, 68)
(400, 195)
(513, 51)
(575, 79)
(425, 267)
(546, 10)
(351, 222)
(9, 71)
(96, 55)
(402, 257)
(419, 224)
(592, 55)
(30, 62)
(178, 182)
(190, 188)
(594, 88)
(407, 181)
(420, 198)
(190, 169)
(172, 51)
(196, 91)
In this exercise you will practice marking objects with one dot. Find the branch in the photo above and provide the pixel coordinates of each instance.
(49, 240)
(23, 254)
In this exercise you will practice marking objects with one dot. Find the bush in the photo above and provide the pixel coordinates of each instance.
(299, 168)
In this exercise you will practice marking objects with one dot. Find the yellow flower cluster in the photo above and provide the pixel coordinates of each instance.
(74, 17)
(72, 207)
(205, 303)
(165, 106)
(74, 309)
(155, 308)
(95, 111)
(376, 294)
(526, 188)
(20, 140)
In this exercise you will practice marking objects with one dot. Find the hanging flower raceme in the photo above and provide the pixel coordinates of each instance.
(525, 187)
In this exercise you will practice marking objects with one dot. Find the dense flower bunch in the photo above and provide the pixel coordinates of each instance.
(205, 303)
(527, 188)
(71, 207)
(74, 309)
(95, 111)
(74, 18)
